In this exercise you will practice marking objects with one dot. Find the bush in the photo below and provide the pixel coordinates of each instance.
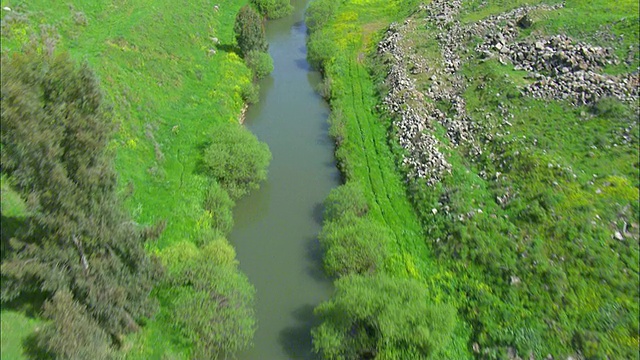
(249, 31)
(610, 108)
(383, 318)
(220, 252)
(319, 13)
(320, 50)
(211, 301)
(273, 9)
(220, 205)
(213, 308)
(250, 93)
(353, 245)
(260, 63)
(236, 159)
(347, 199)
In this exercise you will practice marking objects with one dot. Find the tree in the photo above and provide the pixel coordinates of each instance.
(72, 333)
(347, 199)
(383, 318)
(249, 31)
(260, 63)
(273, 9)
(77, 239)
(211, 301)
(353, 245)
(319, 13)
(236, 159)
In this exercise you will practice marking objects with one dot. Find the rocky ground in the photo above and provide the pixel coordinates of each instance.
(559, 68)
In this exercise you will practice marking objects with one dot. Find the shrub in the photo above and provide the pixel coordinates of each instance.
(249, 31)
(610, 108)
(319, 13)
(211, 302)
(320, 50)
(236, 159)
(260, 63)
(353, 245)
(220, 252)
(345, 200)
(381, 317)
(250, 93)
(213, 308)
(220, 205)
(273, 9)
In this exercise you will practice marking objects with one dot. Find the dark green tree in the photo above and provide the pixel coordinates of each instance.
(249, 31)
(72, 333)
(378, 317)
(77, 238)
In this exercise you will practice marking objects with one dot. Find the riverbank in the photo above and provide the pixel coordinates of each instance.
(504, 237)
(169, 88)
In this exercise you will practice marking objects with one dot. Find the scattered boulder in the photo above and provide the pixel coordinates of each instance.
(525, 22)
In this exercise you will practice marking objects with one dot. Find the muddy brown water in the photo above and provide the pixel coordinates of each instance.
(276, 227)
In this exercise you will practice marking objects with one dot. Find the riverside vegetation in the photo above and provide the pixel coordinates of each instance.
(489, 152)
(122, 159)
(474, 222)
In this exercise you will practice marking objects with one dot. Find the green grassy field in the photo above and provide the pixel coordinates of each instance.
(167, 90)
(576, 180)
(364, 153)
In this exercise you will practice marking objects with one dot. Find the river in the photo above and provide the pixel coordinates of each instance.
(276, 227)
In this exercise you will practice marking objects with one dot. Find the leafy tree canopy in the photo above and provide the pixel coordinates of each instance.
(77, 246)
(346, 199)
(273, 9)
(354, 245)
(237, 159)
(260, 63)
(249, 30)
(383, 318)
(211, 301)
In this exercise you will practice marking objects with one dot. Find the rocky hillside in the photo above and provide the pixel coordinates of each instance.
(519, 142)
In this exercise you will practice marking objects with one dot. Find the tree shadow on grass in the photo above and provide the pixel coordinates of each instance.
(229, 48)
(33, 350)
(296, 340)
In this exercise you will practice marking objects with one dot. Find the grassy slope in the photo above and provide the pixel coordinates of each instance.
(559, 217)
(555, 126)
(151, 57)
(355, 30)
(16, 325)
